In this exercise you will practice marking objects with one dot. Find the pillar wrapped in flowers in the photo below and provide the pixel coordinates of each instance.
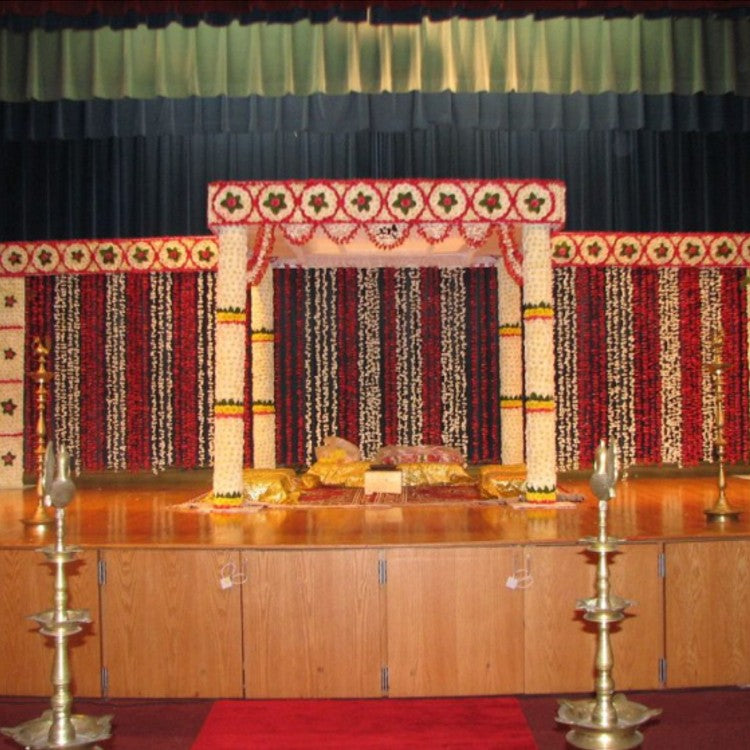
(229, 408)
(538, 320)
(511, 366)
(264, 413)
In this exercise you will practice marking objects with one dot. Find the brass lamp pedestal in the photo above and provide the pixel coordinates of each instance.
(721, 510)
(608, 721)
(41, 376)
(58, 728)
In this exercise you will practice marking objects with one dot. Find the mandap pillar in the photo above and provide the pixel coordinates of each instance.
(539, 360)
(511, 366)
(229, 407)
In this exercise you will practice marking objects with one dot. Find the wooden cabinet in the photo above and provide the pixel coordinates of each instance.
(453, 627)
(708, 613)
(313, 621)
(28, 582)
(171, 629)
(560, 644)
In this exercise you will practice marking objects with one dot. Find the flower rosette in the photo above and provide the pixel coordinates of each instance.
(491, 201)
(405, 202)
(534, 202)
(744, 250)
(692, 250)
(627, 250)
(660, 250)
(205, 254)
(447, 202)
(76, 257)
(173, 254)
(564, 249)
(723, 250)
(141, 255)
(231, 204)
(318, 202)
(595, 250)
(362, 202)
(45, 258)
(107, 256)
(14, 258)
(276, 203)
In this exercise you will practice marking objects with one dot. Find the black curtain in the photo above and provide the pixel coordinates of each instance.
(133, 169)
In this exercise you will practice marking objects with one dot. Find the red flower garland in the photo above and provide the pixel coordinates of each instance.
(432, 373)
(348, 368)
(691, 365)
(647, 390)
(138, 372)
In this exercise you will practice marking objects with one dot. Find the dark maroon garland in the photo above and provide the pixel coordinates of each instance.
(432, 373)
(691, 365)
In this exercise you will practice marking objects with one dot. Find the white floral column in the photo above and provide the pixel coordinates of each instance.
(12, 331)
(538, 319)
(264, 413)
(511, 366)
(229, 408)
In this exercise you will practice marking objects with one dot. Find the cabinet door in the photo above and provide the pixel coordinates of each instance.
(561, 645)
(454, 628)
(28, 583)
(313, 623)
(708, 613)
(171, 629)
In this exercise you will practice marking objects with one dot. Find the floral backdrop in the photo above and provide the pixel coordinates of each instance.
(383, 356)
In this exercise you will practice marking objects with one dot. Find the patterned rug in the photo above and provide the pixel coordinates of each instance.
(422, 495)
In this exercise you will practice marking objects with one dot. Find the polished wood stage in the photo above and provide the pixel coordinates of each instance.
(448, 599)
(139, 511)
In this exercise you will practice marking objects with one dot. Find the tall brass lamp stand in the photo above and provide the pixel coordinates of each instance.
(721, 510)
(41, 376)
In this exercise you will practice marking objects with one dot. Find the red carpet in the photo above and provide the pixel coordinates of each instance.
(386, 723)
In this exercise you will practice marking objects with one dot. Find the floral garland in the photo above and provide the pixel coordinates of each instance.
(566, 371)
(161, 368)
(206, 356)
(12, 324)
(408, 356)
(114, 354)
(368, 361)
(709, 281)
(620, 355)
(321, 358)
(262, 342)
(453, 358)
(510, 346)
(67, 366)
(669, 366)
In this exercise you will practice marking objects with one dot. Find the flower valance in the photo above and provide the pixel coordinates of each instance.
(385, 222)
(591, 55)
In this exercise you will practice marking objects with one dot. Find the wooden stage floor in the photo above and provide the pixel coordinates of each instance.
(140, 512)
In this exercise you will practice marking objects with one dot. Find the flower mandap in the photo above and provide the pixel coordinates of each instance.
(386, 223)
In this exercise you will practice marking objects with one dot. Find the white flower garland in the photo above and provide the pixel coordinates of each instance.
(539, 356)
(709, 282)
(453, 358)
(669, 366)
(114, 352)
(161, 384)
(566, 369)
(67, 366)
(206, 350)
(510, 352)
(321, 358)
(264, 419)
(409, 356)
(369, 361)
(618, 301)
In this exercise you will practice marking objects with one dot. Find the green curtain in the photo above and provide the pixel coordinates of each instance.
(680, 55)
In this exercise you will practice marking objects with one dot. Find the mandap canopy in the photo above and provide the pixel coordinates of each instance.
(376, 223)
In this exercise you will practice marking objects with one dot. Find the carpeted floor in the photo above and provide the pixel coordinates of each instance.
(691, 720)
